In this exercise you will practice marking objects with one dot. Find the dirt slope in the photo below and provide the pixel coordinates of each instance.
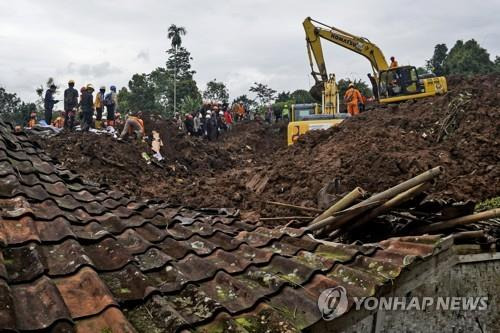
(376, 150)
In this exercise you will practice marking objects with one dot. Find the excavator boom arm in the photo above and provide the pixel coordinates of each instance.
(359, 45)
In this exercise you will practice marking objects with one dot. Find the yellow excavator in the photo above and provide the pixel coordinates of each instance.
(390, 85)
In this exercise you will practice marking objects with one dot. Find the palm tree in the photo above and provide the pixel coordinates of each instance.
(174, 34)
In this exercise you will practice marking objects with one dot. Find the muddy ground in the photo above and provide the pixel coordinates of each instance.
(251, 164)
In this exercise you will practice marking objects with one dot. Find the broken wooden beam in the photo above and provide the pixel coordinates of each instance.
(463, 220)
(307, 209)
(342, 204)
(286, 218)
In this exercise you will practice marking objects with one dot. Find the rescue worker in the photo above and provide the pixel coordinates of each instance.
(189, 124)
(197, 124)
(394, 63)
(111, 102)
(87, 105)
(211, 124)
(133, 125)
(285, 114)
(32, 120)
(352, 97)
(228, 118)
(99, 106)
(49, 102)
(70, 105)
(59, 121)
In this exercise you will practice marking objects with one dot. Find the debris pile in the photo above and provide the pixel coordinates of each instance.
(378, 149)
(383, 147)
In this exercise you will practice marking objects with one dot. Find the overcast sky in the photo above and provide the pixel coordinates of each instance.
(235, 41)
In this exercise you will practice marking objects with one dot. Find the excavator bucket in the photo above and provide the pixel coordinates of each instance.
(317, 91)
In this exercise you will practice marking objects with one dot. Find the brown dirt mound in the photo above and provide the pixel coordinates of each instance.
(375, 150)
(188, 160)
(385, 146)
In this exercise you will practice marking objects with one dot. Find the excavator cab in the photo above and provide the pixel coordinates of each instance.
(401, 83)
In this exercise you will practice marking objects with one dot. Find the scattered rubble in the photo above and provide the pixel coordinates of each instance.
(378, 149)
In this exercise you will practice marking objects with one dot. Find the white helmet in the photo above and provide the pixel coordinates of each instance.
(221, 113)
(207, 116)
(209, 112)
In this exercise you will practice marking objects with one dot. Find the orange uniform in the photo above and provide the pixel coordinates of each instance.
(394, 64)
(58, 122)
(352, 97)
(139, 121)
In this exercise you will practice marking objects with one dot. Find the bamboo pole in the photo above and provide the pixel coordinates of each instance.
(307, 209)
(343, 203)
(489, 214)
(379, 197)
(388, 205)
(341, 217)
(469, 234)
(405, 186)
(286, 218)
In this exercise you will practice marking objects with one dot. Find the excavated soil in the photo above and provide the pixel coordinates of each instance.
(375, 150)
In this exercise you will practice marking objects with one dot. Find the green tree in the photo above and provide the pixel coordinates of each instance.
(174, 34)
(283, 96)
(247, 102)
(343, 85)
(301, 96)
(141, 94)
(123, 99)
(436, 63)
(12, 109)
(468, 58)
(190, 104)
(216, 91)
(154, 92)
(263, 92)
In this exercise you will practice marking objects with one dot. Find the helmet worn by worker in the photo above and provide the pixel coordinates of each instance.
(209, 112)
(90, 86)
(351, 85)
(71, 82)
(53, 86)
(102, 88)
(207, 116)
(221, 113)
(112, 88)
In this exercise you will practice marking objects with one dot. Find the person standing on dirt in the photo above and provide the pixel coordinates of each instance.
(87, 105)
(99, 106)
(133, 126)
(70, 105)
(285, 114)
(211, 124)
(228, 118)
(394, 63)
(111, 101)
(352, 98)
(49, 102)
(189, 124)
(197, 124)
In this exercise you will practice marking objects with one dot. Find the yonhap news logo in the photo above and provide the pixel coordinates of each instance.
(333, 303)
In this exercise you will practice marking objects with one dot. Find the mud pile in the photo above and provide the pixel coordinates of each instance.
(376, 150)
(385, 146)
(188, 160)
